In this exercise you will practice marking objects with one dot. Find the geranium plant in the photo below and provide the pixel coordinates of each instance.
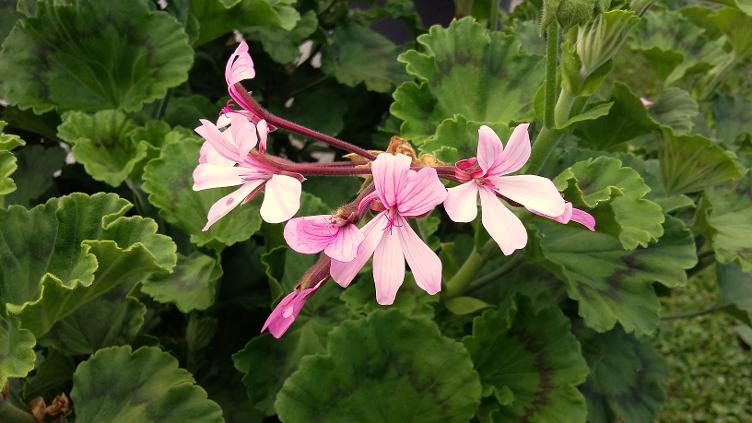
(323, 210)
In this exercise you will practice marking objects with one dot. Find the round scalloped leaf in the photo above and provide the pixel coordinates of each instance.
(90, 55)
(724, 216)
(218, 17)
(102, 142)
(16, 350)
(82, 247)
(626, 378)
(616, 195)
(7, 160)
(735, 288)
(190, 287)
(535, 358)
(692, 163)
(169, 182)
(456, 138)
(612, 285)
(117, 385)
(469, 71)
(386, 367)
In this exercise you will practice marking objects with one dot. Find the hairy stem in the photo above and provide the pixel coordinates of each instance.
(542, 147)
(493, 17)
(458, 284)
(552, 51)
(299, 129)
(708, 310)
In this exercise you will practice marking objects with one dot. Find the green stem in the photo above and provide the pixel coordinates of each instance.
(493, 276)
(542, 147)
(138, 198)
(163, 105)
(564, 105)
(695, 313)
(11, 414)
(552, 52)
(465, 274)
(493, 17)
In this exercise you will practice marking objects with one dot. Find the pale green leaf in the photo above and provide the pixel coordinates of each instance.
(16, 350)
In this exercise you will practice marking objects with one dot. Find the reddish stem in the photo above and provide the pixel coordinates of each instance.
(299, 129)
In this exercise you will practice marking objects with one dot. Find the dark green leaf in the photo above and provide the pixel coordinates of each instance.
(190, 287)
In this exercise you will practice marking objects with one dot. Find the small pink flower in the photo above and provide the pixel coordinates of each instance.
(224, 161)
(388, 236)
(483, 176)
(336, 237)
(646, 103)
(573, 214)
(285, 313)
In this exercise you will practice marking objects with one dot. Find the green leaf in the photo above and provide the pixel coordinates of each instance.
(280, 44)
(737, 26)
(119, 385)
(191, 286)
(102, 143)
(218, 17)
(35, 175)
(650, 172)
(724, 217)
(169, 182)
(735, 287)
(591, 114)
(386, 367)
(456, 138)
(7, 160)
(616, 193)
(113, 318)
(411, 301)
(600, 40)
(676, 109)
(82, 247)
(16, 350)
(322, 108)
(732, 116)
(90, 55)
(692, 163)
(612, 285)
(358, 54)
(281, 357)
(465, 305)
(465, 70)
(54, 371)
(626, 378)
(535, 358)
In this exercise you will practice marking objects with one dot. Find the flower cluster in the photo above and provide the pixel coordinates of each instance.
(400, 189)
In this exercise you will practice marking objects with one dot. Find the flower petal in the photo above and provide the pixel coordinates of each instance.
(461, 203)
(239, 66)
(421, 191)
(534, 192)
(281, 199)
(388, 266)
(503, 226)
(208, 175)
(344, 246)
(263, 130)
(218, 140)
(424, 263)
(208, 154)
(284, 314)
(344, 272)
(516, 152)
(225, 204)
(490, 149)
(243, 134)
(389, 173)
(583, 218)
(311, 234)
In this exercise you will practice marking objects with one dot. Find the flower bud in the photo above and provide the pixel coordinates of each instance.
(568, 13)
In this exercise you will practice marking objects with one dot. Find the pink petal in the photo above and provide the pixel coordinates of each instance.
(344, 246)
(583, 218)
(243, 134)
(534, 192)
(490, 149)
(388, 267)
(424, 263)
(503, 226)
(344, 272)
(284, 314)
(263, 132)
(225, 204)
(310, 235)
(208, 154)
(281, 199)
(563, 218)
(208, 175)
(239, 66)
(516, 152)
(421, 191)
(461, 203)
(389, 173)
(218, 140)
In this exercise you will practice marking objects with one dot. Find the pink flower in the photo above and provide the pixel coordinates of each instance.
(484, 176)
(224, 161)
(239, 66)
(646, 103)
(388, 236)
(285, 313)
(573, 214)
(336, 237)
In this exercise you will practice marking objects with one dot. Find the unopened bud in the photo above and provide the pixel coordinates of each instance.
(568, 13)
